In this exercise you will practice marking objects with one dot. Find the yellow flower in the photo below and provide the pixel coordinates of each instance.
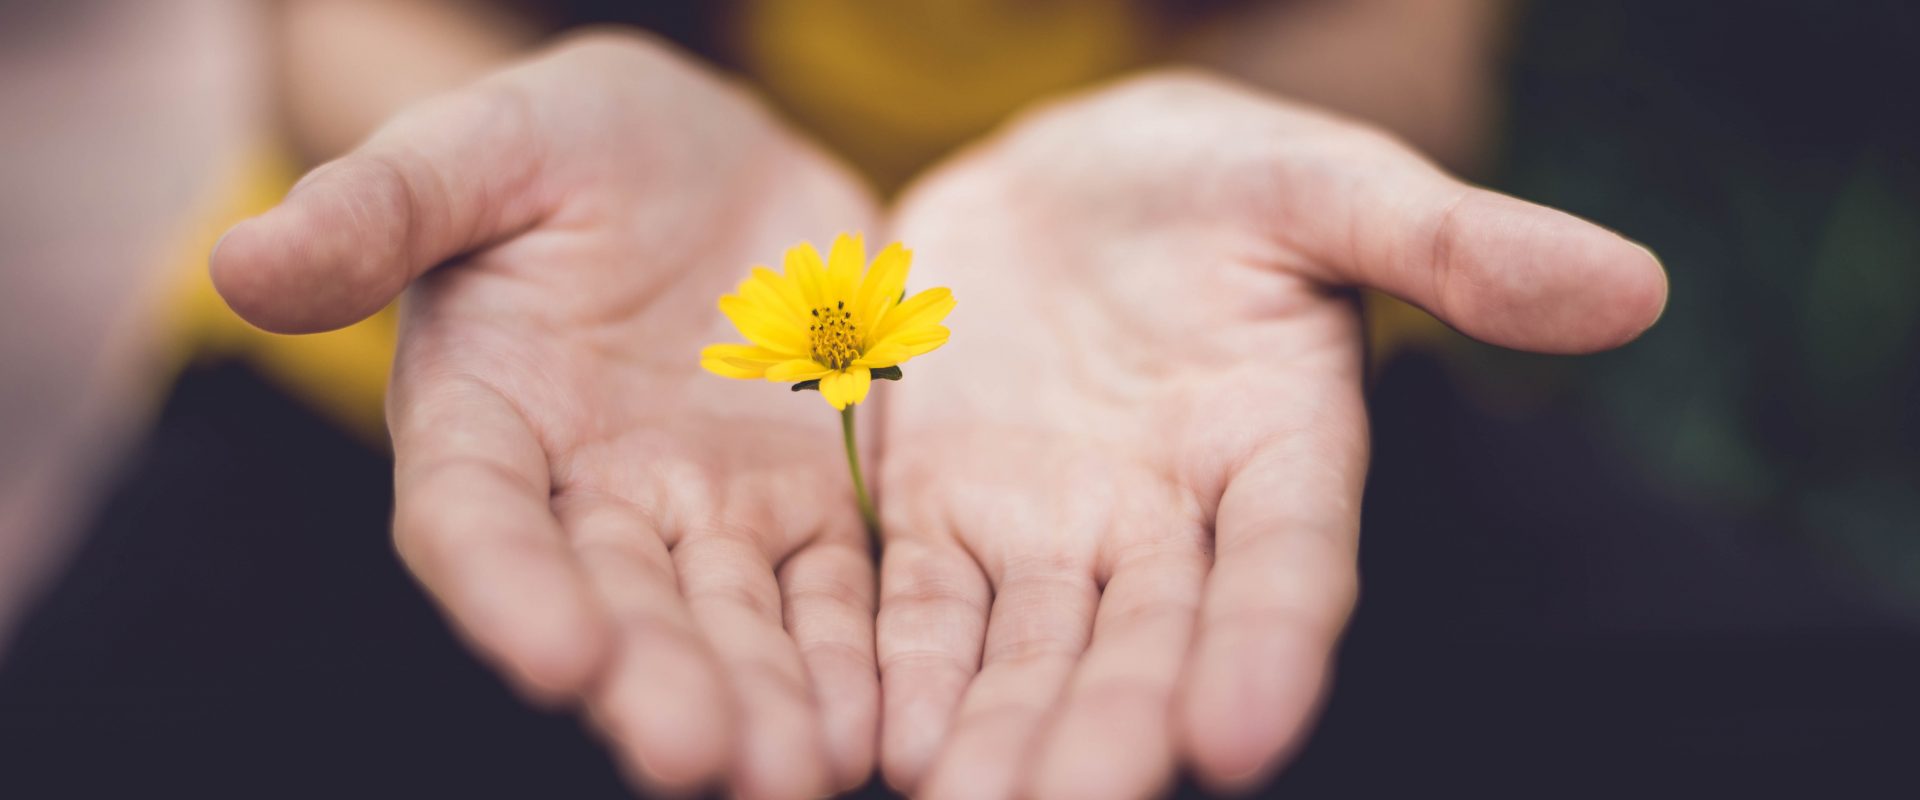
(836, 322)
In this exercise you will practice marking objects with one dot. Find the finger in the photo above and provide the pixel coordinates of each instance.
(730, 587)
(472, 521)
(662, 700)
(1498, 269)
(828, 590)
(1039, 626)
(1282, 585)
(932, 620)
(443, 178)
(1113, 736)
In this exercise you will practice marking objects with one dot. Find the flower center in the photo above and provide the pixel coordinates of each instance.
(835, 342)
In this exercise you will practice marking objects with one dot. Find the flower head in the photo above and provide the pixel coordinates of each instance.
(840, 323)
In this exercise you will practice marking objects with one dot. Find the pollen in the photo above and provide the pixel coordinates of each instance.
(835, 340)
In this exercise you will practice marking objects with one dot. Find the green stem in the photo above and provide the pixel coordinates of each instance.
(859, 483)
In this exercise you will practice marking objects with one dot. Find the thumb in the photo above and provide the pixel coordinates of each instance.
(451, 175)
(1496, 268)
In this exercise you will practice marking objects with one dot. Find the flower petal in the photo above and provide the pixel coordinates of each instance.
(764, 327)
(910, 343)
(847, 387)
(798, 369)
(742, 361)
(882, 356)
(785, 287)
(919, 311)
(844, 264)
(775, 294)
(728, 370)
(734, 351)
(808, 274)
(881, 287)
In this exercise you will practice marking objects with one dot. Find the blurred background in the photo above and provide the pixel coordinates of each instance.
(1688, 567)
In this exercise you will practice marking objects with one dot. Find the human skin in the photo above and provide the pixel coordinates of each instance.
(77, 384)
(1136, 470)
(1122, 504)
(1429, 71)
(103, 163)
(615, 529)
(845, 760)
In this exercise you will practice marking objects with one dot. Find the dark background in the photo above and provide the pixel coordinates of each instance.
(1687, 568)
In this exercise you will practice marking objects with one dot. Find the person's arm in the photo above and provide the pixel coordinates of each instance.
(122, 119)
(104, 161)
(345, 66)
(1426, 70)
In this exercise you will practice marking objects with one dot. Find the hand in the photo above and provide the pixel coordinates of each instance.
(1123, 501)
(610, 525)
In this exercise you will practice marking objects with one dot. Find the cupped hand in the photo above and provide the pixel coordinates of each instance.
(608, 524)
(1123, 502)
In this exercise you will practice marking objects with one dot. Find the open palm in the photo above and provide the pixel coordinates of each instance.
(1123, 502)
(611, 525)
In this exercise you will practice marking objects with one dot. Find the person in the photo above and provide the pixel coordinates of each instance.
(1121, 505)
